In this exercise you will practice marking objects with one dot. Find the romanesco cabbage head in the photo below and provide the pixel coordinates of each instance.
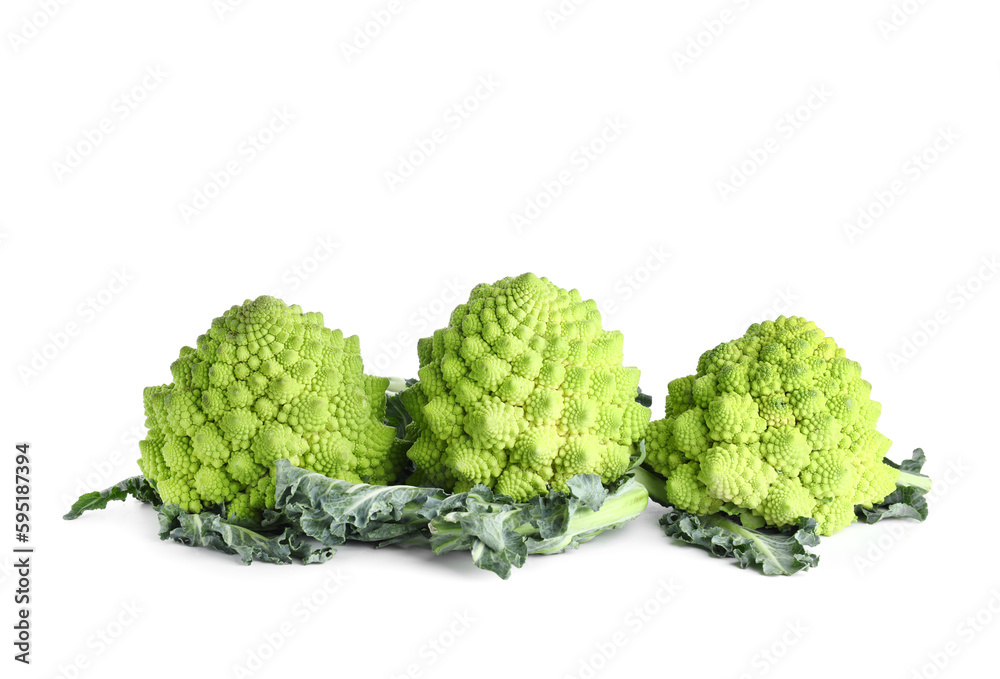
(266, 382)
(778, 425)
(522, 391)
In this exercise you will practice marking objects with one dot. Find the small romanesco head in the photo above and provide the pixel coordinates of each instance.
(778, 424)
(522, 391)
(266, 382)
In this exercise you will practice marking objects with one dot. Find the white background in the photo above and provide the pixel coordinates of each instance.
(886, 599)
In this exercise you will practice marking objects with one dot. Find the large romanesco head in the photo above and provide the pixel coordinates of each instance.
(266, 382)
(523, 390)
(776, 425)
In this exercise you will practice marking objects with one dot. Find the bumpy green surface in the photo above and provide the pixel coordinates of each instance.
(522, 391)
(266, 382)
(776, 425)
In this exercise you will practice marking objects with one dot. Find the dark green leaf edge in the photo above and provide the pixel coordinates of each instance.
(643, 398)
(909, 500)
(314, 514)
(497, 531)
(396, 414)
(784, 551)
(136, 486)
(770, 551)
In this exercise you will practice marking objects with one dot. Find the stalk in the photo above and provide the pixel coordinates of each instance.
(912, 480)
(655, 485)
(622, 506)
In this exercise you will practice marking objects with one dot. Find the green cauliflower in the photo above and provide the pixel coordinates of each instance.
(266, 382)
(522, 391)
(775, 426)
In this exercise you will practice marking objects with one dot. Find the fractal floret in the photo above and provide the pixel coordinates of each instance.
(775, 426)
(267, 382)
(522, 391)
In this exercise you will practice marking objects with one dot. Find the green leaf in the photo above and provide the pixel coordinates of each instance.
(772, 551)
(784, 551)
(333, 511)
(655, 484)
(396, 414)
(245, 539)
(909, 500)
(487, 526)
(498, 532)
(643, 398)
(314, 514)
(137, 486)
(568, 524)
(903, 503)
(270, 541)
(914, 464)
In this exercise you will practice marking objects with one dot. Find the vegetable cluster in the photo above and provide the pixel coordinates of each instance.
(525, 434)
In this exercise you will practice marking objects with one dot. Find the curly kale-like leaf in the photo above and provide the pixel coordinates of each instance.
(334, 511)
(909, 500)
(773, 552)
(501, 533)
(248, 540)
(783, 551)
(272, 540)
(906, 502)
(314, 514)
(498, 532)
(490, 527)
(137, 486)
(586, 513)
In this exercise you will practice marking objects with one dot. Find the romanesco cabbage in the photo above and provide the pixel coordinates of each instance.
(522, 391)
(266, 382)
(775, 426)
